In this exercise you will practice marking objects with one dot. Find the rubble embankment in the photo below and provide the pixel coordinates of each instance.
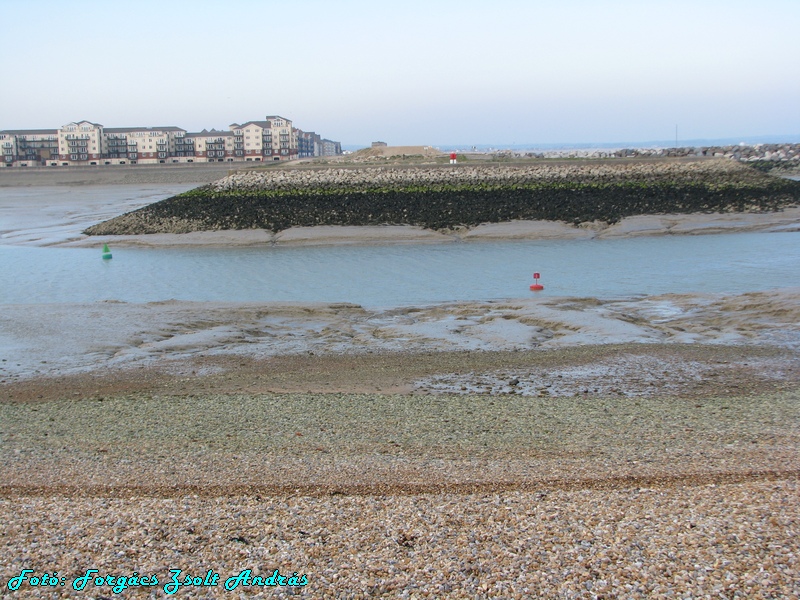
(460, 196)
(768, 156)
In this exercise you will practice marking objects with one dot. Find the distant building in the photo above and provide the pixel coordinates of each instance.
(212, 146)
(379, 144)
(87, 143)
(309, 144)
(284, 142)
(81, 142)
(330, 148)
(143, 145)
(271, 139)
(29, 147)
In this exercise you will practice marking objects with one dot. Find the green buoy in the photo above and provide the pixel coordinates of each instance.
(106, 252)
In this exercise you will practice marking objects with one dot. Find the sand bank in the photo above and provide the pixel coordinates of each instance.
(691, 224)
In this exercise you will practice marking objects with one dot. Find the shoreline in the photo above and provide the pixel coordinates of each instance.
(112, 175)
(787, 220)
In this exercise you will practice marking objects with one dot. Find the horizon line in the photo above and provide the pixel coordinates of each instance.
(726, 141)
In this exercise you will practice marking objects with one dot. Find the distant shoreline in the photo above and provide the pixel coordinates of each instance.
(114, 175)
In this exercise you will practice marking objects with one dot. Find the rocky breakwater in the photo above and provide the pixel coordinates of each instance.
(459, 196)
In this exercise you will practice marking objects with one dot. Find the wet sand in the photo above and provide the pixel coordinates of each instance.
(695, 224)
(73, 338)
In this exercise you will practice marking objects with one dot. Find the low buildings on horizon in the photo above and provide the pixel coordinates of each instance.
(87, 143)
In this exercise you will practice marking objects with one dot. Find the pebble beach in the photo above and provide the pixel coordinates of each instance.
(625, 455)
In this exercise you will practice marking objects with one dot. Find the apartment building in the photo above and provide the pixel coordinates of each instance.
(212, 146)
(272, 139)
(88, 143)
(142, 145)
(331, 148)
(253, 140)
(29, 147)
(80, 143)
(309, 144)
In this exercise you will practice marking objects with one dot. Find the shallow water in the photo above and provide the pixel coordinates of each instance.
(31, 272)
(404, 274)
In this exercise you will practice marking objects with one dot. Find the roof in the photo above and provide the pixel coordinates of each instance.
(262, 124)
(83, 121)
(129, 129)
(30, 131)
(212, 133)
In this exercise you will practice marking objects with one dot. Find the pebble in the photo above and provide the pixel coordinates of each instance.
(724, 541)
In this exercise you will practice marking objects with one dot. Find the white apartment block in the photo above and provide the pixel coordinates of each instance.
(271, 139)
(212, 146)
(87, 143)
(80, 143)
(142, 145)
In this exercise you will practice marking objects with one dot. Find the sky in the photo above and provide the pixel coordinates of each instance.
(430, 72)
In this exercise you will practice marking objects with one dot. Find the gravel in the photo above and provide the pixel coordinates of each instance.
(407, 495)
(704, 541)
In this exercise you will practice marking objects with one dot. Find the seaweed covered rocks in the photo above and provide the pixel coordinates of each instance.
(459, 196)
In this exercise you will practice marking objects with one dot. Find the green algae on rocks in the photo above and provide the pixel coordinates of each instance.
(450, 197)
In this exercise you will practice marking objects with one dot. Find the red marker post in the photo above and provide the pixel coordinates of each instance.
(536, 287)
(453, 157)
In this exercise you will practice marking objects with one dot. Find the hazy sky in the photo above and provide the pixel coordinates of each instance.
(410, 72)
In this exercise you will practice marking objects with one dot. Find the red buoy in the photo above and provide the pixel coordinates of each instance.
(536, 287)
